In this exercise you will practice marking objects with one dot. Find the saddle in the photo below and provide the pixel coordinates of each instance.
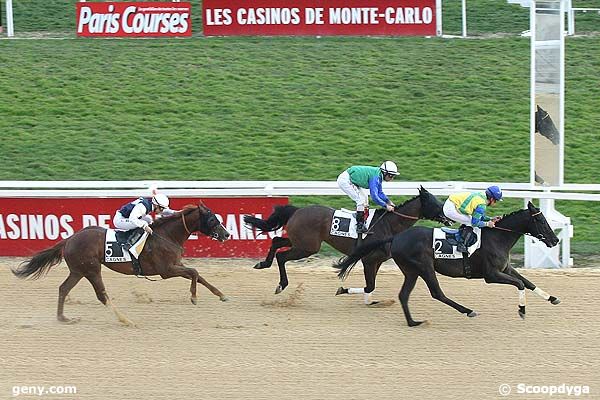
(125, 238)
(118, 247)
(343, 223)
(453, 236)
(445, 241)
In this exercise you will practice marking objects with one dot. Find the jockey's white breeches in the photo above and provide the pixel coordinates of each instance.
(356, 193)
(451, 212)
(126, 224)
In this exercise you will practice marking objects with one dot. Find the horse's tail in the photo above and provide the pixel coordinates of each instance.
(40, 263)
(345, 264)
(276, 220)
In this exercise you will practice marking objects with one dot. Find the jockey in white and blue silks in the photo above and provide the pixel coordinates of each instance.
(359, 177)
(135, 214)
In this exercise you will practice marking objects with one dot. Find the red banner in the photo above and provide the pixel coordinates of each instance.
(319, 17)
(28, 225)
(134, 19)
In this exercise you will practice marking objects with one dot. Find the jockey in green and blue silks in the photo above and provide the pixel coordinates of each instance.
(353, 180)
(469, 209)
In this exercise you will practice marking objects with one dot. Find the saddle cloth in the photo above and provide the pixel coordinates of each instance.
(343, 223)
(113, 249)
(445, 241)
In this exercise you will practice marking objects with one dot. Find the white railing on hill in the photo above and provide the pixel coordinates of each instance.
(579, 192)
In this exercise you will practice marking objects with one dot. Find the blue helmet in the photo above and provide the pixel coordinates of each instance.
(494, 192)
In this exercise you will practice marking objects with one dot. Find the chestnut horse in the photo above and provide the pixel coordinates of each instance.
(84, 255)
(308, 227)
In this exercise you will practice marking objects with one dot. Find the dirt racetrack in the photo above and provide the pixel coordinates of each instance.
(302, 344)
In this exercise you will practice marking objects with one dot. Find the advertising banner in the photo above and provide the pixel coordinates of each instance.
(133, 19)
(28, 225)
(314, 17)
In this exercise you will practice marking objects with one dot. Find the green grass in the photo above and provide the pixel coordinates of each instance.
(483, 16)
(288, 109)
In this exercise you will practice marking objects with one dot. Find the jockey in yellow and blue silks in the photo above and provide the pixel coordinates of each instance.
(359, 177)
(469, 209)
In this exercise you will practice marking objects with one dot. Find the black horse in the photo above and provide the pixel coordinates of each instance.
(545, 126)
(413, 253)
(308, 227)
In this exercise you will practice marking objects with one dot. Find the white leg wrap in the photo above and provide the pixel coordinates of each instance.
(354, 290)
(541, 293)
(522, 299)
(367, 298)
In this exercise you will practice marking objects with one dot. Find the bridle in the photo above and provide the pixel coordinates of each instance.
(185, 225)
(538, 236)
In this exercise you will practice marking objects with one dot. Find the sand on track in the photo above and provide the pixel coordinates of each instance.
(304, 343)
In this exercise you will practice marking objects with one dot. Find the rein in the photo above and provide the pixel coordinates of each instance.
(519, 232)
(167, 241)
(405, 216)
(395, 212)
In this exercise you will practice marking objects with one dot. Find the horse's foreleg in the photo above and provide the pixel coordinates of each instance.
(185, 272)
(554, 300)
(496, 276)
(276, 243)
(63, 291)
(213, 289)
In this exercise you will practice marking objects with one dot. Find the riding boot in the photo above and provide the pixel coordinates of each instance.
(137, 267)
(465, 236)
(360, 222)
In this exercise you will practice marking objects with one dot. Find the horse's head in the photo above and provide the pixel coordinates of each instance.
(432, 208)
(209, 224)
(545, 126)
(539, 227)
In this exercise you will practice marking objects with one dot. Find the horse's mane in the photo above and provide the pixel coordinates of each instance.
(380, 210)
(508, 216)
(165, 220)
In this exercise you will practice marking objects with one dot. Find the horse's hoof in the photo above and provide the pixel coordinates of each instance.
(341, 290)
(224, 298)
(260, 265)
(522, 312)
(416, 323)
(554, 300)
(69, 321)
(279, 289)
(193, 300)
(472, 314)
(373, 303)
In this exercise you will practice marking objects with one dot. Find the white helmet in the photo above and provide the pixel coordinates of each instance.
(160, 200)
(389, 168)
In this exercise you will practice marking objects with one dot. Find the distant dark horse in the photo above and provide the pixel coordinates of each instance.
(308, 227)
(545, 126)
(412, 251)
(84, 254)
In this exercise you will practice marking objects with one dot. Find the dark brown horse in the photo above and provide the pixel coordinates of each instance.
(308, 227)
(84, 254)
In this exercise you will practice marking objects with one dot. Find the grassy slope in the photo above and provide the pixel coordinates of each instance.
(287, 108)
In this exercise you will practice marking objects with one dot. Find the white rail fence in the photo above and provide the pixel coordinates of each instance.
(579, 192)
(536, 253)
